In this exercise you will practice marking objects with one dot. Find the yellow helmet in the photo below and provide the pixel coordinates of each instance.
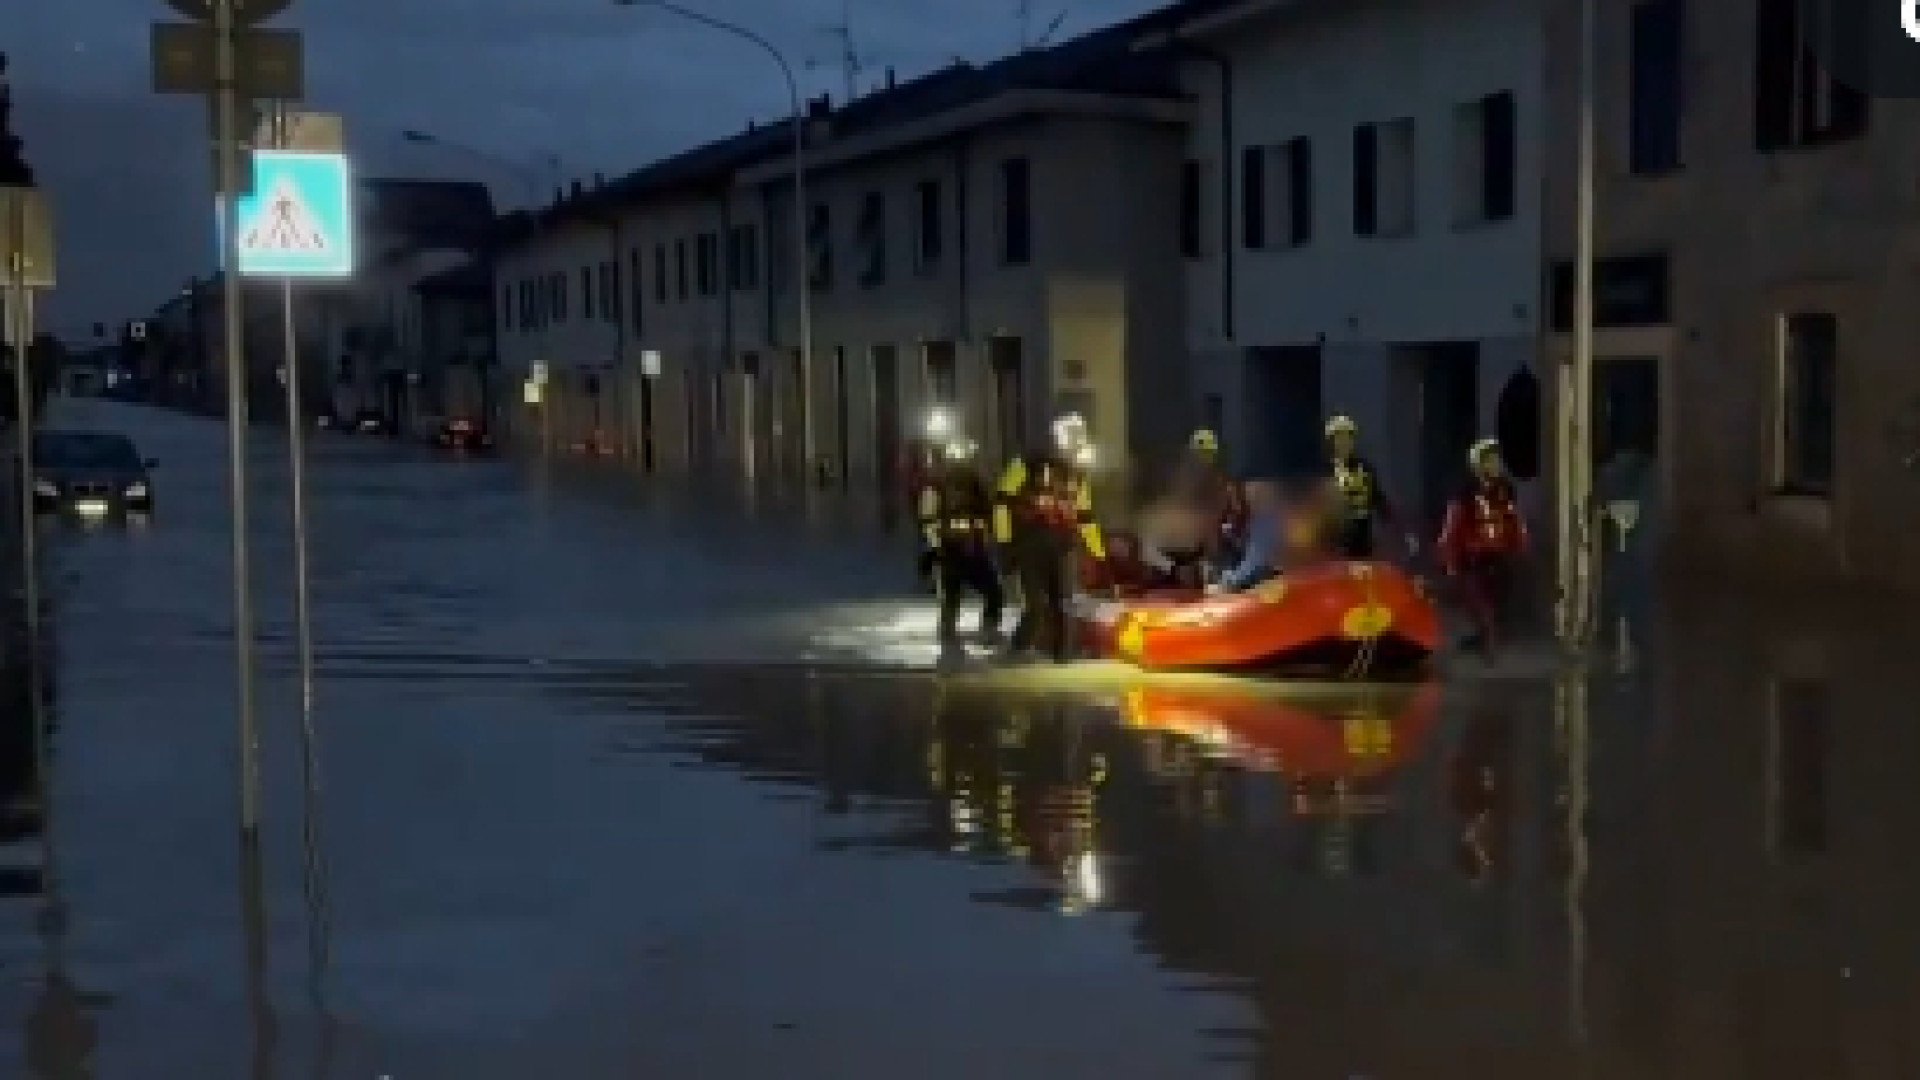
(1342, 424)
(1204, 441)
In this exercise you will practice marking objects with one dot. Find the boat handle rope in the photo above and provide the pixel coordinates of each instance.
(1362, 663)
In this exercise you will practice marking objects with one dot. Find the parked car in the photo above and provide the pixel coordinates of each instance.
(90, 474)
(369, 422)
(460, 433)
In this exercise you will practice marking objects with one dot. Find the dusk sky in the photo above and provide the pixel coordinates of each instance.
(600, 87)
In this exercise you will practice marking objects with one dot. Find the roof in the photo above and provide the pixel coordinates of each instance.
(1106, 61)
(429, 213)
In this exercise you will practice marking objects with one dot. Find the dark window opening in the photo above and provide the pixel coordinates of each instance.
(1299, 154)
(586, 292)
(1190, 209)
(1016, 201)
(681, 280)
(1809, 379)
(1499, 156)
(1653, 105)
(1253, 196)
(660, 273)
(931, 233)
(1796, 102)
(1366, 180)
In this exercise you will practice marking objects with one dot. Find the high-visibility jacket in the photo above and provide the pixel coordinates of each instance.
(1048, 496)
(954, 505)
(1484, 519)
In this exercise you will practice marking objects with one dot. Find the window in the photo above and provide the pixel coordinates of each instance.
(1016, 211)
(1485, 160)
(637, 294)
(1191, 208)
(1795, 102)
(1292, 189)
(1383, 178)
(1653, 90)
(820, 247)
(743, 258)
(525, 289)
(586, 292)
(610, 296)
(660, 273)
(931, 231)
(707, 263)
(506, 307)
(1253, 197)
(870, 237)
(559, 297)
(1809, 347)
(681, 279)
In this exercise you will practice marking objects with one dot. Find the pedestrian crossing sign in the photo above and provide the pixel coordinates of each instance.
(298, 222)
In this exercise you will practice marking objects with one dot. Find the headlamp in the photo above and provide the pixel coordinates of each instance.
(939, 423)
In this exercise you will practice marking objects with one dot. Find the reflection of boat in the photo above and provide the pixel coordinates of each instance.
(1349, 737)
(1337, 615)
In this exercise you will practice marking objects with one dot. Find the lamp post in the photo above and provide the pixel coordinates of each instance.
(526, 173)
(803, 287)
(1577, 554)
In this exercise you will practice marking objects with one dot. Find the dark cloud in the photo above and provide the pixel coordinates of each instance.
(601, 88)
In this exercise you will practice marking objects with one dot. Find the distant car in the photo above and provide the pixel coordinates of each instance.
(460, 433)
(90, 474)
(369, 422)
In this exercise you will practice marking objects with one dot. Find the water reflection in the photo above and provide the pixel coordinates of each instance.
(61, 1028)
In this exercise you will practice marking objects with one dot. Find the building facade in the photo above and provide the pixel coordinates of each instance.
(995, 240)
(1361, 223)
(1757, 247)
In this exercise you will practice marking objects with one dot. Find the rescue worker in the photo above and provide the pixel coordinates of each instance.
(954, 511)
(1482, 541)
(919, 464)
(1203, 484)
(1363, 498)
(1043, 511)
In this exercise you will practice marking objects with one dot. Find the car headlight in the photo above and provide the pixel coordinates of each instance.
(137, 489)
(46, 489)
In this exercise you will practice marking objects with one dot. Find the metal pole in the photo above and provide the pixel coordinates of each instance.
(302, 603)
(803, 280)
(227, 108)
(19, 331)
(1576, 554)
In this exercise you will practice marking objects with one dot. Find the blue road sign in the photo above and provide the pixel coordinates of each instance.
(299, 220)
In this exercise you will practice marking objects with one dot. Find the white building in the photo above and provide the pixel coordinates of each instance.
(1363, 229)
(989, 239)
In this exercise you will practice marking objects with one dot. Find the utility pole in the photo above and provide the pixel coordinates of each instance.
(1577, 555)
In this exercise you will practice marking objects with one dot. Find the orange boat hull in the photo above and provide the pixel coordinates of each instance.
(1337, 614)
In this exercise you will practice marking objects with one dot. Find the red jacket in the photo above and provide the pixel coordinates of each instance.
(1483, 520)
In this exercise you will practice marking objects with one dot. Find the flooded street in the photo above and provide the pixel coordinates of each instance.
(620, 783)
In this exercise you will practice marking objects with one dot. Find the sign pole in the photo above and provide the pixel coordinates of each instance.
(302, 602)
(226, 140)
(19, 335)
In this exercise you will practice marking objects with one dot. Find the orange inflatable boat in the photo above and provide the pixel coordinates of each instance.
(1361, 618)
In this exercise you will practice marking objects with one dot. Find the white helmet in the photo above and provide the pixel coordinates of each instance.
(1342, 425)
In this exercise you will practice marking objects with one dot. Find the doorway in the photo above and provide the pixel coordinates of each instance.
(795, 443)
(943, 376)
(1449, 421)
(1283, 415)
(1006, 368)
(842, 413)
(646, 424)
(886, 413)
(1626, 406)
(753, 418)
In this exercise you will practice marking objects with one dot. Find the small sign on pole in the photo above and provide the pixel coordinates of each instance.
(298, 223)
(26, 238)
(650, 363)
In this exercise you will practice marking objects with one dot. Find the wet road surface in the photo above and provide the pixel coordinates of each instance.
(616, 784)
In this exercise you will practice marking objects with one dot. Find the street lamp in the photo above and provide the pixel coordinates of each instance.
(529, 175)
(1577, 554)
(803, 287)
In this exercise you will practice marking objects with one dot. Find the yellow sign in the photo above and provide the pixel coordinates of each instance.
(1366, 621)
(1133, 635)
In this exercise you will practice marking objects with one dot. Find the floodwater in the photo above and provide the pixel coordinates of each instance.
(616, 782)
